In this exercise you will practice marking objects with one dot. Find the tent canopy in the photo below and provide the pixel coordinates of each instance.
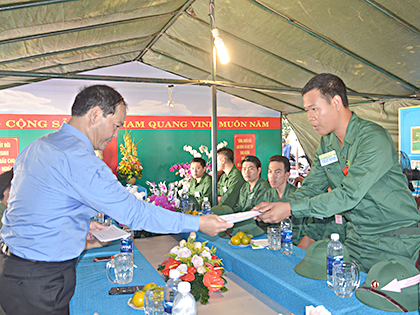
(275, 46)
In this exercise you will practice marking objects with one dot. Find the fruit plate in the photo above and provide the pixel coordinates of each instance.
(133, 306)
(238, 246)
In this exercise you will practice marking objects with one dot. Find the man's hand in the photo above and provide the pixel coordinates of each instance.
(92, 241)
(212, 224)
(273, 212)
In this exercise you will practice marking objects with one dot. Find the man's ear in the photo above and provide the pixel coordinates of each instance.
(95, 115)
(337, 102)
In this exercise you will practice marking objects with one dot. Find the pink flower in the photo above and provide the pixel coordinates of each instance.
(184, 252)
(197, 261)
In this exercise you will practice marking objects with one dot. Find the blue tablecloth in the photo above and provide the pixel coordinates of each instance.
(273, 274)
(91, 294)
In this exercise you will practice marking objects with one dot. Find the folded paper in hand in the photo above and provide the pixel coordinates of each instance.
(240, 216)
(110, 234)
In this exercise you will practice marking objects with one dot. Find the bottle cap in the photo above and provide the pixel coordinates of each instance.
(335, 237)
(184, 287)
(174, 274)
(206, 198)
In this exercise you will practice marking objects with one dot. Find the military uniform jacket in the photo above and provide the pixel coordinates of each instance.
(229, 187)
(198, 191)
(373, 196)
(248, 199)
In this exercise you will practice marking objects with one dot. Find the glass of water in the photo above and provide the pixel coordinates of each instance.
(153, 304)
(123, 268)
(274, 237)
(346, 278)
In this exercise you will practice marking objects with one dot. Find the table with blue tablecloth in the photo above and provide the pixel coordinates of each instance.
(273, 274)
(91, 294)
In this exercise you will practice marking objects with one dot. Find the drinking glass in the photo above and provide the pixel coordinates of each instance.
(153, 303)
(123, 268)
(346, 278)
(274, 237)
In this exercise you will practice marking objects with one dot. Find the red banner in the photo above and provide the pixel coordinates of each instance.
(244, 145)
(9, 149)
(53, 122)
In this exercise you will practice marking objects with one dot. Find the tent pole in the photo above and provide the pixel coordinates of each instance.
(213, 109)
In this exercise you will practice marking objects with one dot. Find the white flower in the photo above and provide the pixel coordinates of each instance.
(184, 252)
(197, 261)
(193, 235)
(201, 270)
(175, 250)
(182, 243)
(182, 269)
(206, 253)
(197, 245)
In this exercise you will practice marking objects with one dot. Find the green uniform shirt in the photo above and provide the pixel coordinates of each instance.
(249, 198)
(198, 191)
(229, 186)
(2, 208)
(298, 224)
(373, 196)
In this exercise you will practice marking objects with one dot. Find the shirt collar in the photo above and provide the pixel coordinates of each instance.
(350, 132)
(79, 135)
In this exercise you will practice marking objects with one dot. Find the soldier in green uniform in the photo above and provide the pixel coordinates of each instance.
(200, 183)
(5, 185)
(250, 195)
(358, 160)
(231, 181)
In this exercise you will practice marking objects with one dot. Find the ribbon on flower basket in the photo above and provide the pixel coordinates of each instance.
(198, 265)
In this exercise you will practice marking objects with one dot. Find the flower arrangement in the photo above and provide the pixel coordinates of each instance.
(198, 265)
(130, 165)
(163, 196)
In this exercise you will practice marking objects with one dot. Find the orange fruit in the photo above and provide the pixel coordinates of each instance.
(148, 286)
(235, 240)
(138, 298)
(195, 212)
(245, 240)
(240, 234)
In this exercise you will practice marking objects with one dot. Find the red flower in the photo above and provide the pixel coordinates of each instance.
(346, 170)
(170, 264)
(191, 270)
(188, 277)
(213, 281)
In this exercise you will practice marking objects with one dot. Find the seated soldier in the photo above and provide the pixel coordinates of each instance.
(249, 196)
(231, 181)
(5, 185)
(278, 174)
(200, 184)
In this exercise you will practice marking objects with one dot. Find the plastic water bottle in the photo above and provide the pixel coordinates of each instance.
(286, 237)
(206, 206)
(107, 220)
(335, 252)
(127, 245)
(184, 303)
(184, 200)
(171, 289)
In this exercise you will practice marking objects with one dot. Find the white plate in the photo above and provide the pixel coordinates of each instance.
(133, 306)
(238, 246)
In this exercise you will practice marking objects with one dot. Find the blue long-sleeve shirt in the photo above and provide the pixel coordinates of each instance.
(58, 185)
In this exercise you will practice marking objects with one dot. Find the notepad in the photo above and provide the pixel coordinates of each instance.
(110, 234)
(240, 216)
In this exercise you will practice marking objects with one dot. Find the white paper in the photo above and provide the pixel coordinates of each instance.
(240, 216)
(110, 234)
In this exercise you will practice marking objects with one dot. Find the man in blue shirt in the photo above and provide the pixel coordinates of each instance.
(58, 185)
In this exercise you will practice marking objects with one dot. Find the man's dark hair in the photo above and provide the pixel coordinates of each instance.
(5, 182)
(281, 159)
(227, 153)
(97, 95)
(329, 85)
(252, 159)
(199, 160)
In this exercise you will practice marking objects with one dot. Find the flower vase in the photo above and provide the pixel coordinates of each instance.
(131, 181)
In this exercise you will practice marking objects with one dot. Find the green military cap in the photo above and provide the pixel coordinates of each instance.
(314, 265)
(384, 290)
(247, 226)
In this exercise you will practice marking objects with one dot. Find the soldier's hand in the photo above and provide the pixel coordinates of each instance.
(212, 224)
(273, 212)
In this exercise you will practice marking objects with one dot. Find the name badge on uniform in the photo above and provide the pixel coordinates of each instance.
(251, 196)
(224, 189)
(328, 158)
(197, 194)
(338, 219)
